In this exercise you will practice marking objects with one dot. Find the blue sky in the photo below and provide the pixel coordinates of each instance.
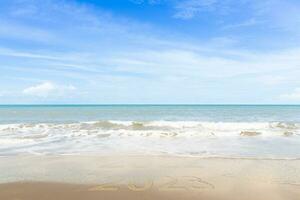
(150, 51)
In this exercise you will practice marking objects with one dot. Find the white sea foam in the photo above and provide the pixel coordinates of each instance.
(147, 129)
(158, 137)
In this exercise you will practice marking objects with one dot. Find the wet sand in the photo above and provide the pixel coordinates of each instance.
(147, 177)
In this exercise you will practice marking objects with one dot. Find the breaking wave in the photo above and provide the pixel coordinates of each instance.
(192, 138)
(151, 128)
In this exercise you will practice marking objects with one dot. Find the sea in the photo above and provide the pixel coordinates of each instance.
(227, 131)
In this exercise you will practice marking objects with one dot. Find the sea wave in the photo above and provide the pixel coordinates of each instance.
(150, 128)
(182, 138)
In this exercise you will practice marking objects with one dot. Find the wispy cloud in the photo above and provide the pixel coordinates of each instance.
(293, 96)
(49, 89)
(247, 23)
(22, 54)
(272, 12)
(188, 9)
(247, 13)
(11, 29)
(110, 54)
(2, 93)
(272, 80)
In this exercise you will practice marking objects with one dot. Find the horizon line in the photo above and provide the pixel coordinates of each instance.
(149, 104)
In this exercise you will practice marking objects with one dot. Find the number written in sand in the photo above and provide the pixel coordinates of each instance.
(104, 187)
(166, 184)
(137, 188)
(185, 183)
(196, 183)
(171, 183)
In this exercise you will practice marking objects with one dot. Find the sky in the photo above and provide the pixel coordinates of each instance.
(149, 52)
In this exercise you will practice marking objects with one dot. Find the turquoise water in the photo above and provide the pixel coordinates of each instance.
(214, 113)
(185, 130)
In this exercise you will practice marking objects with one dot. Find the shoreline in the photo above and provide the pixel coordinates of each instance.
(218, 157)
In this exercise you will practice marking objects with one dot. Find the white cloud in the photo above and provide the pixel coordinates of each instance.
(193, 63)
(49, 89)
(14, 53)
(139, 54)
(268, 13)
(271, 11)
(187, 9)
(246, 23)
(294, 96)
(10, 29)
(272, 80)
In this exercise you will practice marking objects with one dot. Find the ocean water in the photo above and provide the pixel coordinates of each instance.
(248, 131)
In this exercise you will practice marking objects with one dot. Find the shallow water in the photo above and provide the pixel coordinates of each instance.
(227, 131)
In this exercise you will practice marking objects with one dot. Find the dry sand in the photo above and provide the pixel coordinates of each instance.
(147, 177)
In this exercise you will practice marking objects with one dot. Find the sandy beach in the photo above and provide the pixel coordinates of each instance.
(147, 177)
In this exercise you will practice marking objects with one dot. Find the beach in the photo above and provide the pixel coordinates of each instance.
(147, 177)
(149, 152)
(149, 100)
